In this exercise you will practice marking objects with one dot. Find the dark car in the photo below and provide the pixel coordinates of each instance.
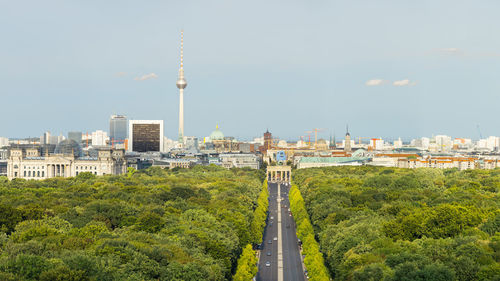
(270, 241)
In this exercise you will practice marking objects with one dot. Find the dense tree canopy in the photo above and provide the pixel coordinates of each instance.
(154, 224)
(405, 224)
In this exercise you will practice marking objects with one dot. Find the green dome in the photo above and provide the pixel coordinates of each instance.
(216, 135)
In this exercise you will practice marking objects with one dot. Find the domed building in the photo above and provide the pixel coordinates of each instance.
(68, 147)
(321, 144)
(220, 143)
(66, 161)
(216, 135)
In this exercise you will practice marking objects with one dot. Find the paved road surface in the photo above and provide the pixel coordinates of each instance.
(292, 265)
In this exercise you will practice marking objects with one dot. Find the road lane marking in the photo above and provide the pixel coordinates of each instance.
(280, 246)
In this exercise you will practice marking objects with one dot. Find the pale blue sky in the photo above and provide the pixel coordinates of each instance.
(284, 65)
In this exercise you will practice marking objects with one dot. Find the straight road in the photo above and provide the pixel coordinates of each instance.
(292, 265)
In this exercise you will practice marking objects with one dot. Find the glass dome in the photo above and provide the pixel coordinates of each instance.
(68, 147)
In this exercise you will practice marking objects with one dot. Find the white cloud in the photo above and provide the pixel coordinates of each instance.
(404, 82)
(146, 77)
(375, 82)
(121, 74)
(450, 50)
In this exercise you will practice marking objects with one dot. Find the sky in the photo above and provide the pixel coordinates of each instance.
(387, 68)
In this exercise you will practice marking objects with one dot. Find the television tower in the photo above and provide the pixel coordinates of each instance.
(181, 84)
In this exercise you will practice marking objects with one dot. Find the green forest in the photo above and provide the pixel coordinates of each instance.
(405, 224)
(154, 224)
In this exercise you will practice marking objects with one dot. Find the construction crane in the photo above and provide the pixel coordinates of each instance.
(309, 135)
(315, 131)
(360, 139)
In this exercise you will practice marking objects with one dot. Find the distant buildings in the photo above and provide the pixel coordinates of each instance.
(118, 129)
(221, 144)
(67, 161)
(490, 143)
(99, 138)
(4, 142)
(358, 158)
(145, 135)
(48, 138)
(440, 162)
(191, 144)
(235, 160)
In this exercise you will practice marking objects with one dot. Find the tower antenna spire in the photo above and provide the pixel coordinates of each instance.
(182, 49)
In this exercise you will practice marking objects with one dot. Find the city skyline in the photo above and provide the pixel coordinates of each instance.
(388, 70)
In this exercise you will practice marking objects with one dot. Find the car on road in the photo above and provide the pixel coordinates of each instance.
(272, 218)
(268, 263)
(275, 238)
(270, 242)
(268, 253)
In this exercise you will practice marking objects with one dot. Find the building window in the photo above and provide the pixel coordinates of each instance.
(77, 173)
(24, 173)
(43, 174)
(38, 174)
(29, 173)
(15, 174)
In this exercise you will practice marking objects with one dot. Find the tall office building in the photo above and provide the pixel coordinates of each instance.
(145, 135)
(181, 84)
(117, 128)
(48, 138)
(191, 143)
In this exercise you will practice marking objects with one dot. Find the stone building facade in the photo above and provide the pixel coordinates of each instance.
(29, 164)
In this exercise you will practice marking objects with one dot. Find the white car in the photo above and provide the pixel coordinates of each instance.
(268, 263)
(275, 238)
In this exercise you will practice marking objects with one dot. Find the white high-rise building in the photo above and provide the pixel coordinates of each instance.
(4, 142)
(377, 144)
(168, 144)
(398, 143)
(99, 138)
(48, 138)
(181, 84)
(490, 143)
(443, 143)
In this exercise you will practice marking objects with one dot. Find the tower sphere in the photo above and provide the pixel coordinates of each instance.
(181, 83)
